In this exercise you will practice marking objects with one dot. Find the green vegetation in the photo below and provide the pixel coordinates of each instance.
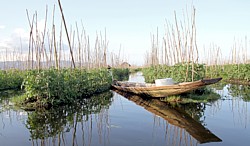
(120, 74)
(179, 72)
(206, 96)
(236, 73)
(11, 79)
(52, 87)
(135, 70)
(230, 72)
(57, 86)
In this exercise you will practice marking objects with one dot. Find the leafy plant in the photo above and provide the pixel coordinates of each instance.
(11, 79)
(179, 72)
(52, 87)
(230, 71)
(120, 74)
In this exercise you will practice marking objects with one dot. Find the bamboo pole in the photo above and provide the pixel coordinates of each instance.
(79, 46)
(66, 30)
(178, 45)
(30, 54)
(192, 43)
(246, 59)
(55, 48)
(105, 48)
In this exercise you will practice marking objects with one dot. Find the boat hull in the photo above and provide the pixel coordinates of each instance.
(162, 91)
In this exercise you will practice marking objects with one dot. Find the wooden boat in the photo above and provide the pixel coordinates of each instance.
(152, 90)
(175, 116)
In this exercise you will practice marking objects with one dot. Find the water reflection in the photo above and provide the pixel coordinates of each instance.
(177, 117)
(229, 91)
(113, 120)
(56, 123)
(67, 125)
(235, 99)
(194, 110)
(241, 91)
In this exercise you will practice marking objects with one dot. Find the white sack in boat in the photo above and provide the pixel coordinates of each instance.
(163, 82)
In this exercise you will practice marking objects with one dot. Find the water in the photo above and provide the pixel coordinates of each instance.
(110, 119)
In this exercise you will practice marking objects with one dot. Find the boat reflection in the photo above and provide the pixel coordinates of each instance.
(175, 116)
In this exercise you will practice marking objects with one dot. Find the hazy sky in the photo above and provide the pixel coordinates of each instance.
(129, 23)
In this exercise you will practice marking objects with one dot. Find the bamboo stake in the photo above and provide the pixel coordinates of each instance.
(37, 48)
(192, 41)
(55, 48)
(44, 32)
(60, 47)
(178, 45)
(66, 30)
(30, 39)
(73, 45)
(88, 52)
(79, 46)
(105, 49)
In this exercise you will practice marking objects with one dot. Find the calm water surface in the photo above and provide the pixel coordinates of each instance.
(110, 119)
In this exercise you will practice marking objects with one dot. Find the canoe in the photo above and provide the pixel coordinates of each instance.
(151, 90)
(175, 116)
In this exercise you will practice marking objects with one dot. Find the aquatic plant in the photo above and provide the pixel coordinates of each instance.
(120, 74)
(134, 70)
(207, 95)
(11, 79)
(52, 87)
(230, 72)
(179, 72)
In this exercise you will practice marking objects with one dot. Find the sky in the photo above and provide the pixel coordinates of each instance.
(129, 24)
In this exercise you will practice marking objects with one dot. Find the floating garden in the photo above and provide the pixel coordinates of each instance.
(185, 72)
(52, 87)
(232, 73)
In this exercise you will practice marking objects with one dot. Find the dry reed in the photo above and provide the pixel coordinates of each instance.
(46, 49)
